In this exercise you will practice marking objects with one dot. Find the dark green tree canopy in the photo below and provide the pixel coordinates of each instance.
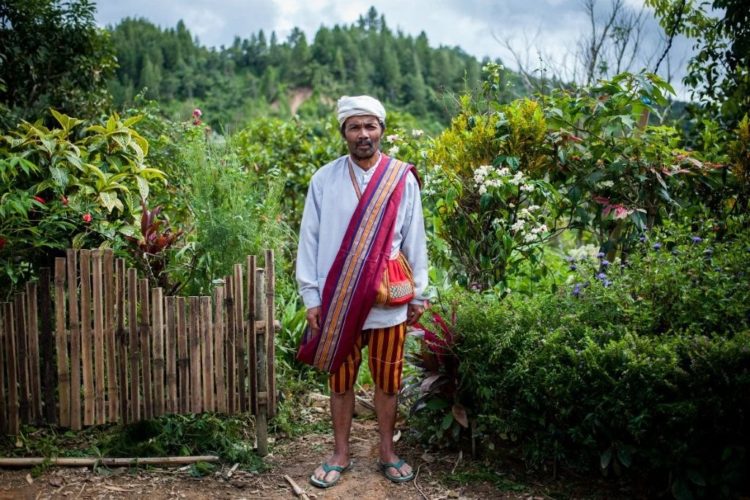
(365, 57)
(52, 55)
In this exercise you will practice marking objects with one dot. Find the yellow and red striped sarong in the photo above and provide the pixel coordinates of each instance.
(386, 359)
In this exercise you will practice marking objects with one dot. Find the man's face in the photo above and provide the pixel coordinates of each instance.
(362, 134)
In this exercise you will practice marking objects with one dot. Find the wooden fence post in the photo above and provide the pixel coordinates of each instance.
(109, 335)
(196, 399)
(134, 347)
(182, 361)
(221, 382)
(229, 343)
(4, 409)
(121, 340)
(61, 342)
(171, 345)
(145, 335)
(75, 341)
(239, 322)
(22, 355)
(47, 346)
(10, 352)
(208, 357)
(157, 320)
(98, 302)
(86, 347)
(261, 419)
(252, 349)
(270, 332)
(32, 330)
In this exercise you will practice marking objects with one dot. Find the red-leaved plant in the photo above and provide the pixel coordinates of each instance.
(438, 386)
(154, 240)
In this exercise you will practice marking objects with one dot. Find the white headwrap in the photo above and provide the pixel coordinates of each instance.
(358, 106)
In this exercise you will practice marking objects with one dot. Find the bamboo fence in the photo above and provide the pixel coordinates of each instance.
(91, 343)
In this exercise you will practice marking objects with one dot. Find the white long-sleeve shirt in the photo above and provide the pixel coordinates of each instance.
(330, 204)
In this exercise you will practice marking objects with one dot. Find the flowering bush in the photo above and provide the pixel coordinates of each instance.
(487, 200)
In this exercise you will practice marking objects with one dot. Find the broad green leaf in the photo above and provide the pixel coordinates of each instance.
(109, 200)
(152, 173)
(65, 121)
(129, 122)
(60, 176)
(143, 187)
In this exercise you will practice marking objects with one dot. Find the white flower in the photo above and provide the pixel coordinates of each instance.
(606, 184)
(392, 138)
(534, 208)
(393, 151)
(517, 179)
(482, 189)
(518, 225)
(529, 237)
(504, 171)
(527, 187)
(417, 132)
(524, 213)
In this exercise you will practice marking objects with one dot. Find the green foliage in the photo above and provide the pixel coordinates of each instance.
(621, 175)
(290, 151)
(52, 55)
(489, 200)
(71, 186)
(233, 211)
(230, 438)
(505, 178)
(633, 369)
(719, 72)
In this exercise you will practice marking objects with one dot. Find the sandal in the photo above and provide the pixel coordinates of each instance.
(322, 483)
(384, 466)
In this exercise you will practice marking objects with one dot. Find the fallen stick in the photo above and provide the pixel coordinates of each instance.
(297, 490)
(78, 462)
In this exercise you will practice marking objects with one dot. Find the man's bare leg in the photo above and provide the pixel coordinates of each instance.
(342, 409)
(385, 409)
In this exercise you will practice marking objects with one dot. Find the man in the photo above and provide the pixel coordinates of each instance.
(361, 210)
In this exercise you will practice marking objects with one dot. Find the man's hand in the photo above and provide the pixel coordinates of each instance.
(413, 313)
(313, 318)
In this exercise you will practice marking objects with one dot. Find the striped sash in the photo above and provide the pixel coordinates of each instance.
(351, 284)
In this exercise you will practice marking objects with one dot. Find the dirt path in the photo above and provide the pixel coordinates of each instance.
(296, 458)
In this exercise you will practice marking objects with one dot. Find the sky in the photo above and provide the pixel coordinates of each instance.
(533, 28)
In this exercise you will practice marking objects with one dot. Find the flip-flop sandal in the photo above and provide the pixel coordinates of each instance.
(384, 466)
(322, 483)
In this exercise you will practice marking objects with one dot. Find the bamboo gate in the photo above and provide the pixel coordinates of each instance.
(95, 344)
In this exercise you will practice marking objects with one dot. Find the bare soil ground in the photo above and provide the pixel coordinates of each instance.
(296, 458)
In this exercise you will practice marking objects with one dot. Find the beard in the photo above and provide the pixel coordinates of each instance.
(363, 149)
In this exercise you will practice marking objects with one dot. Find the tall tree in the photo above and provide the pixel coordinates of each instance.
(52, 55)
(719, 73)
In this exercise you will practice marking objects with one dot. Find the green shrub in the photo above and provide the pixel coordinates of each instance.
(641, 368)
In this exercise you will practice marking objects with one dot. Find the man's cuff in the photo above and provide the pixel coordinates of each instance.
(311, 299)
